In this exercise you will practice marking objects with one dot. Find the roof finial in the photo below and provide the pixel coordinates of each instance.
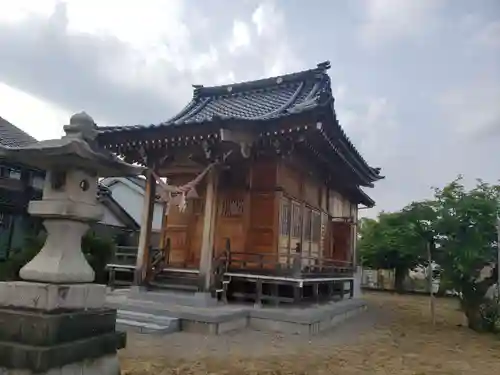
(197, 89)
(325, 65)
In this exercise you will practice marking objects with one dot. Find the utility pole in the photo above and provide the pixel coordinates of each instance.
(498, 259)
(431, 286)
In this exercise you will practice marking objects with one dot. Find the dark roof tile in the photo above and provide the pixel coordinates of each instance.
(12, 136)
(254, 100)
(261, 100)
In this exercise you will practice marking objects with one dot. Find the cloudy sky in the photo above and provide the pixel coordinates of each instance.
(417, 82)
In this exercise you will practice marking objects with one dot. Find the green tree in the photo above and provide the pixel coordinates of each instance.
(393, 241)
(466, 242)
(98, 252)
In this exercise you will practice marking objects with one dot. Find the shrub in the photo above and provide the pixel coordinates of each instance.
(97, 251)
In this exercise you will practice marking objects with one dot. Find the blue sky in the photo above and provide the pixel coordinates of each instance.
(417, 82)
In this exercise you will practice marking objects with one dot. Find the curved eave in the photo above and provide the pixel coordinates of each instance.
(347, 147)
(364, 198)
(132, 132)
(360, 174)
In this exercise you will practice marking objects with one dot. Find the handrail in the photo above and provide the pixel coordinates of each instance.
(292, 264)
(290, 256)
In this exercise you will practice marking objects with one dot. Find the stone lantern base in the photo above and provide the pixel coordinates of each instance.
(54, 329)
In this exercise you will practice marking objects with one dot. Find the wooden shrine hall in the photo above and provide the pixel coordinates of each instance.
(274, 216)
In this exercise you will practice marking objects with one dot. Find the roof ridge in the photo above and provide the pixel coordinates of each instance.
(200, 90)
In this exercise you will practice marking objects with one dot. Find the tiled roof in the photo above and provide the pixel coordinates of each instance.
(263, 99)
(12, 136)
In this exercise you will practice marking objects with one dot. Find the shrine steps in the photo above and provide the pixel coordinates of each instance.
(141, 322)
(182, 280)
(173, 286)
(221, 319)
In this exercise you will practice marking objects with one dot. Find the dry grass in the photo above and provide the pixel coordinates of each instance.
(401, 342)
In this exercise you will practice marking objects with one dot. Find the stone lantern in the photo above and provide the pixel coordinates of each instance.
(55, 320)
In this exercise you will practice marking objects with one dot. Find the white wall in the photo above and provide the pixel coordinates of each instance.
(110, 219)
(131, 197)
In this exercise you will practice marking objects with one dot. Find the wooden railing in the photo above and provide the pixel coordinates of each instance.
(124, 256)
(296, 265)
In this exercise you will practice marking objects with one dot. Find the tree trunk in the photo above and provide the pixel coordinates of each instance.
(399, 278)
(474, 319)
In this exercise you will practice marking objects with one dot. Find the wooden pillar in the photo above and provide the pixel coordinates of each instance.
(354, 236)
(207, 244)
(163, 232)
(164, 241)
(142, 263)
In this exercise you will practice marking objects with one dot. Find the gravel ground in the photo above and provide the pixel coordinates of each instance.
(244, 343)
(395, 336)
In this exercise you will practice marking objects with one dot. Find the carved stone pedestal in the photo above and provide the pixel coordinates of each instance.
(57, 329)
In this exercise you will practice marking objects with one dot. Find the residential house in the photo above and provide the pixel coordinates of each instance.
(125, 200)
(18, 185)
(122, 199)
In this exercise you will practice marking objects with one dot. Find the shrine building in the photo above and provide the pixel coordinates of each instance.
(274, 216)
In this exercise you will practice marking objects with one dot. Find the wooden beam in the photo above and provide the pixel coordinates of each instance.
(142, 263)
(244, 139)
(208, 236)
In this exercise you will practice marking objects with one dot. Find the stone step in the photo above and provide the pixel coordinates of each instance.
(146, 323)
(169, 285)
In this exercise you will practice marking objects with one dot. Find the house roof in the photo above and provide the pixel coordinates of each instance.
(263, 99)
(259, 101)
(135, 180)
(12, 136)
(105, 196)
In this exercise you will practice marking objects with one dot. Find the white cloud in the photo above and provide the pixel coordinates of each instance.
(132, 62)
(21, 10)
(489, 35)
(270, 26)
(371, 125)
(241, 36)
(142, 24)
(339, 92)
(393, 20)
(40, 119)
(472, 111)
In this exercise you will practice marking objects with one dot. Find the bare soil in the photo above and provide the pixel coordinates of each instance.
(394, 337)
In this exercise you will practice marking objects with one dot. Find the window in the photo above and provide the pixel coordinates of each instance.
(307, 224)
(37, 182)
(296, 220)
(316, 226)
(9, 172)
(285, 218)
(232, 207)
(15, 173)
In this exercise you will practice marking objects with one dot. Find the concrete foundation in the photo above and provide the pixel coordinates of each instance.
(223, 319)
(307, 321)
